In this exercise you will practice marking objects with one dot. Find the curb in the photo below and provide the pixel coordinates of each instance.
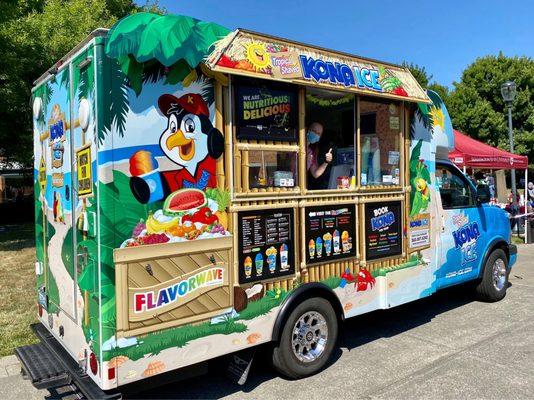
(9, 366)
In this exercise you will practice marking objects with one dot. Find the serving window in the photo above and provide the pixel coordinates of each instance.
(330, 140)
(380, 141)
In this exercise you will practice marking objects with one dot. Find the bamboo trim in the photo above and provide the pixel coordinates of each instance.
(303, 245)
(382, 199)
(262, 194)
(294, 148)
(362, 232)
(228, 151)
(245, 175)
(263, 206)
(358, 146)
(402, 145)
(398, 259)
(294, 196)
(219, 124)
(306, 203)
(235, 247)
(302, 140)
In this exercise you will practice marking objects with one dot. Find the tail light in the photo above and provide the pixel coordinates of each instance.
(111, 373)
(40, 310)
(93, 363)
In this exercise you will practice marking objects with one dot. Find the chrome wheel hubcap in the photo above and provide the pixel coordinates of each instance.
(499, 274)
(310, 335)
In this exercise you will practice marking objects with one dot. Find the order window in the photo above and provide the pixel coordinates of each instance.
(380, 127)
(454, 190)
(330, 140)
(275, 169)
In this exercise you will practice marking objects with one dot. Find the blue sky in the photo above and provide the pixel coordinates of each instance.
(443, 38)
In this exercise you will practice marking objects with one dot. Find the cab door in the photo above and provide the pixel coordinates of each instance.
(461, 247)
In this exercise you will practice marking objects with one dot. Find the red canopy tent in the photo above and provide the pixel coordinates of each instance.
(471, 153)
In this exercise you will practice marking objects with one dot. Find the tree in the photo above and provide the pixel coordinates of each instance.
(477, 108)
(424, 79)
(34, 34)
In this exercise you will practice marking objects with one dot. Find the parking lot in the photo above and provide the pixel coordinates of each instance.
(446, 346)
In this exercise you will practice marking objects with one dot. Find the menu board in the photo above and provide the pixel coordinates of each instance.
(266, 244)
(265, 113)
(383, 235)
(330, 232)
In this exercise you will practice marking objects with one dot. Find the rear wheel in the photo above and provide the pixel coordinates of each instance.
(494, 281)
(307, 340)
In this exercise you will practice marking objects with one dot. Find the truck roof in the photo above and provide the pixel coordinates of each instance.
(99, 32)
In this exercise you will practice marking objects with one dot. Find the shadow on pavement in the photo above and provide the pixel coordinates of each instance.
(354, 332)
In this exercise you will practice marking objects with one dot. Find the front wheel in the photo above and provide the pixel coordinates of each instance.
(307, 340)
(494, 281)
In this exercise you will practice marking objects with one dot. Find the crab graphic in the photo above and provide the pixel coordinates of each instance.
(364, 280)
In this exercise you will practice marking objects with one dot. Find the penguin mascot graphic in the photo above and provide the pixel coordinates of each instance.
(190, 141)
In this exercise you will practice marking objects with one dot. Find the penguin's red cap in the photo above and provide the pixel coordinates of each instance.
(190, 102)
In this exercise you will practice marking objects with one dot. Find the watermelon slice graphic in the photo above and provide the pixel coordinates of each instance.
(184, 200)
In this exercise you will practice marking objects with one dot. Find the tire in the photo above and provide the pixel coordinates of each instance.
(492, 287)
(290, 357)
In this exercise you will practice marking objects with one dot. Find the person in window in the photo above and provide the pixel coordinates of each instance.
(317, 159)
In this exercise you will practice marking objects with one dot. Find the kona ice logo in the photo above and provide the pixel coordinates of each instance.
(340, 74)
(465, 240)
(151, 300)
(383, 218)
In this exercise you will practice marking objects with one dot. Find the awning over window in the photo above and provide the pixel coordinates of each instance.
(263, 56)
(471, 153)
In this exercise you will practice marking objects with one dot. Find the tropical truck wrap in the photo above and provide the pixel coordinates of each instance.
(157, 250)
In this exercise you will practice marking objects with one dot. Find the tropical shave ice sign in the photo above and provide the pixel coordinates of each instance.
(172, 294)
(251, 55)
(340, 74)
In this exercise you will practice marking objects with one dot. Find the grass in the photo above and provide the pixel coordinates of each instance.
(154, 343)
(518, 240)
(412, 262)
(17, 284)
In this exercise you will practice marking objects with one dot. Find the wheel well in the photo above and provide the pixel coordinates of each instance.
(301, 293)
(499, 244)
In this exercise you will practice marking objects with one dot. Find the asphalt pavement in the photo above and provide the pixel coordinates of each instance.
(447, 346)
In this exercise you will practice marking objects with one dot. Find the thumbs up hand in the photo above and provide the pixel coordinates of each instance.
(328, 156)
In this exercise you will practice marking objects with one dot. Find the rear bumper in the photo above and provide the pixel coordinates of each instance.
(48, 365)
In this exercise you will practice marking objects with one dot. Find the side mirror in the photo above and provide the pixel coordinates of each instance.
(483, 194)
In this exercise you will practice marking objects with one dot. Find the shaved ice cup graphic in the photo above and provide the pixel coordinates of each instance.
(154, 185)
(146, 180)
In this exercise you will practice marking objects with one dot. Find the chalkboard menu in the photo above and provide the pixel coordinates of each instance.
(330, 232)
(383, 235)
(265, 113)
(266, 244)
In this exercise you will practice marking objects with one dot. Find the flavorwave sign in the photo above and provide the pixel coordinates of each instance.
(149, 301)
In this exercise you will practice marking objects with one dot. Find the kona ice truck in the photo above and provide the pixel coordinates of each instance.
(201, 191)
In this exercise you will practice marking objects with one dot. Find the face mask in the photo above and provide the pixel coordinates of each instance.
(312, 137)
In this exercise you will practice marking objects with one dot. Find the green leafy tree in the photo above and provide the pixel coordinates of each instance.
(477, 108)
(425, 80)
(34, 34)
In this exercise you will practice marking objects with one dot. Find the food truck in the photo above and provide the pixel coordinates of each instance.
(201, 191)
